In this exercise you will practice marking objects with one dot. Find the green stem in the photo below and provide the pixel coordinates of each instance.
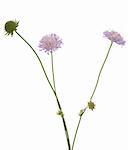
(76, 132)
(38, 59)
(53, 75)
(91, 94)
(77, 128)
(63, 119)
(101, 71)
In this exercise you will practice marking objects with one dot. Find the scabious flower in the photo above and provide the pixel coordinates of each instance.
(11, 26)
(114, 37)
(50, 43)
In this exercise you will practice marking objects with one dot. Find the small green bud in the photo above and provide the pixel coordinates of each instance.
(81, 112)
(91, 105)
(11, 26)
(60, 113)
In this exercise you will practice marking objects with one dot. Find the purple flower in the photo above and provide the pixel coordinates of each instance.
(50, 43)
(114, 37)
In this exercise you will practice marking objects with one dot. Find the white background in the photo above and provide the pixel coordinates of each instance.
(28, 119)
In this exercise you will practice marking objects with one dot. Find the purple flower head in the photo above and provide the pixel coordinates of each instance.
(114, 37)
(50, 43)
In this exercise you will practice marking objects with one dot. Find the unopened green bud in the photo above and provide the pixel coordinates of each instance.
(91, 105)
(81, 112)
(11, 26)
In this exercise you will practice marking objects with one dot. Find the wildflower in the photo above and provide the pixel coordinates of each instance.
(91, 105)
(50, 43)
(114, 37)
(11, 26)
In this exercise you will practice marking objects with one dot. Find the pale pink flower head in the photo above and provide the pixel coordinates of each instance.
(114, 37)
(50, 43)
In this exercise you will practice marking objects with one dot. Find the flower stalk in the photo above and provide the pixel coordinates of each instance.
(60, 111)
(100, 72)
(52, 88)
(53, 75)
(92, 106)
(49, 44)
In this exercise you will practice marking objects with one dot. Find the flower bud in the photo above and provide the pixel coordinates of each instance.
(81, 112)
(91, 105)
(11, 26)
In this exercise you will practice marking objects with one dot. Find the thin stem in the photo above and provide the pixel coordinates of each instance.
(38, 59)
(91, 94)
(63, 119)
(53, 75)
(100, 72)
(76, 132)
(77, 128)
